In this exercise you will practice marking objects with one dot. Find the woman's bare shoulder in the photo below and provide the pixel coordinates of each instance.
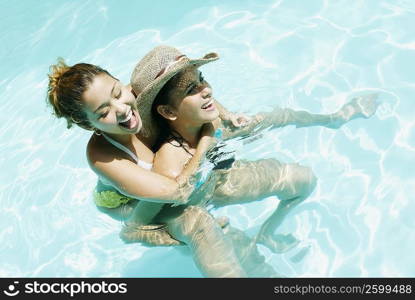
(170, 159)
(169, 150)
(98, 151)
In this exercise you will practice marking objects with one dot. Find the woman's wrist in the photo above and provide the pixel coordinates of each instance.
(224, 116)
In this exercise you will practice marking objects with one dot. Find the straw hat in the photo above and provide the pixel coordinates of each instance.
(153, 72)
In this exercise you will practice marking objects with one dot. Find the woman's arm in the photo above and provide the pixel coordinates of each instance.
(360, 107)
(174, 162)
(206, 141)
(171, 162)
(136, 182)
(234, 120)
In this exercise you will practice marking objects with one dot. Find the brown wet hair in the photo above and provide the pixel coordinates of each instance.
(162, 98)
(65, 89)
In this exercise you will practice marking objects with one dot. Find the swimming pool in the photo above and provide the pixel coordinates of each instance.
(303, 54)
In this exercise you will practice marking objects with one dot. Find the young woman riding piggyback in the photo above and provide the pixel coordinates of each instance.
(90, 97)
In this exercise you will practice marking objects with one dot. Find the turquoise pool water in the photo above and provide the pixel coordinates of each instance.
(309, 55)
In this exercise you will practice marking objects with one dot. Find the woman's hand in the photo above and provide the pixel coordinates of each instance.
(183, 192)
(187, 176)
(237, 120)
(360, 107)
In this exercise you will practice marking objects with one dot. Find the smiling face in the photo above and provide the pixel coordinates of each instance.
(190, 99)
(110, 106)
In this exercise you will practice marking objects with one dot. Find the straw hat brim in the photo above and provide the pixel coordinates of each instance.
(146, 98)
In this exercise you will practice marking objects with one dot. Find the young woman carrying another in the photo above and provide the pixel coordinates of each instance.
(90, 97)
(176, 102)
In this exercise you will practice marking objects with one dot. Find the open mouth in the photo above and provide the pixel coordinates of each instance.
(130, 121)
(208, 105)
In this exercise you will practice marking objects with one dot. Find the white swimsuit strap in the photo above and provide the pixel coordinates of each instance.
(121, 147)
(145, 165)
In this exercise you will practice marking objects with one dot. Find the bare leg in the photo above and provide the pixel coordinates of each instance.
(248, 254)
(212, 252)
(252, 181)
(299, 182)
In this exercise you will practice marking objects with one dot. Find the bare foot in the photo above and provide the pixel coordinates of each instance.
(359, 107)
(278, 243)
(252, 260)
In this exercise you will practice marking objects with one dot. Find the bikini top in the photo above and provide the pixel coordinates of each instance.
(141, 163)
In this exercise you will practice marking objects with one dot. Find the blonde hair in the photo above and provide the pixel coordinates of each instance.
(65, 89)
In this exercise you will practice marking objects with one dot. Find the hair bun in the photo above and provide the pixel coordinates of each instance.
(55, 74)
